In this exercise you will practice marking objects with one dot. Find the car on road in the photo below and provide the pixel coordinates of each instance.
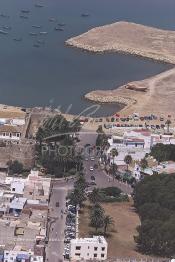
(92, 183)
(57, 204)
(92, 158)
(91, 168)
(93, 178)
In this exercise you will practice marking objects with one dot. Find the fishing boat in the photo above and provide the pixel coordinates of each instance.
(6, 27)
(85, 15)
(58, 29)
(43, 33)
(36, 45)
(23, 16)
(38, 5)
(25, 11)
(33, 34)
(36, 26)
(42, 42)
(2, 32)
(4, 16)
(52, 19)
(18, 39)
(61, 24)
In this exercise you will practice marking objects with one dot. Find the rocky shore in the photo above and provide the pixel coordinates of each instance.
(128, 38)
(153, 95)
(96, 96)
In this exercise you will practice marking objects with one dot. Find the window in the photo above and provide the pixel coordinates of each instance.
(102, 255)
(95, 248)
(78, 247)
(95, 255)
(103, 248)
(77, 254)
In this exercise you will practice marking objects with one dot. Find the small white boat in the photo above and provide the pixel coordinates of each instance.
(43, 33)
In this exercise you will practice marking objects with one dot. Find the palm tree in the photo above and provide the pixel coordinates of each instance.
(128, 160)
(114, 154)
(143, 163)
(95, 196)
(97, 217)
(168, 123)
(108, 221)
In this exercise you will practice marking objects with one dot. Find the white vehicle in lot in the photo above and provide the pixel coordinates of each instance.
(92, 158)
(91, 168)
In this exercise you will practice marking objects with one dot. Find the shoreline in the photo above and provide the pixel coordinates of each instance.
(156, 98)
(155, 94)
(150, 43)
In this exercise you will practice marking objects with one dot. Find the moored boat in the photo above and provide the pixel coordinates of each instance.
(58, 29)
(85, 15)
(25, 11)
(24, 16)
(2, 32)
(36, 45)
(61, 24)
(38, 5)
(6, 27)
(43, 33)
(33, 34)
(52, 19)
(36, 26)
(18, 39)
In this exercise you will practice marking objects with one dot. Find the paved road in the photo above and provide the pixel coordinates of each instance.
(101, 178)
(55, 248)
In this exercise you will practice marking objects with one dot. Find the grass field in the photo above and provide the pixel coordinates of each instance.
(120, 242)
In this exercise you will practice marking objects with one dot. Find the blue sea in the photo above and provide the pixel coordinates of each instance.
(40, 70)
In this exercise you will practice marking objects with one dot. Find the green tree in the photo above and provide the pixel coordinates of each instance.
(108, 221)
(154, 200)
(128, 160)
(97, 217)
(143, 163)
(77, 197)
(95, 196)
(15, 167)
(114, 153)
(168, 123)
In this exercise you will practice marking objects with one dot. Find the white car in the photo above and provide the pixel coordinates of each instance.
(92, 158)
(91, 168)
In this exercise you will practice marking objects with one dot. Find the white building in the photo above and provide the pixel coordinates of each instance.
(89, 248)
(10, 133)
(17, 255)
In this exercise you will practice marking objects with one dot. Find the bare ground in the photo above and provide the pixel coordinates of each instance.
(158, 98)
(153, 95)
(121, 242)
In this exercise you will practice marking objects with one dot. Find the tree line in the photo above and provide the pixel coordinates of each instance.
(154, 200)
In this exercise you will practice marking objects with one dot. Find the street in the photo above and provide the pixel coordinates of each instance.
(55, 247)
(101, 178)
(59, 191)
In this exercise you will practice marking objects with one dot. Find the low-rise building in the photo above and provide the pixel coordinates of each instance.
(89, 248)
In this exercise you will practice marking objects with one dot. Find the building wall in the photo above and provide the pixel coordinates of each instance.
(88, 250)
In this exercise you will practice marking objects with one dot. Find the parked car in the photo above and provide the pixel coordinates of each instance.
(92, 183)
(93, 178)
(91, 168)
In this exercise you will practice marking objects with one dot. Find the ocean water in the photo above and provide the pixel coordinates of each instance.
(59, 76)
